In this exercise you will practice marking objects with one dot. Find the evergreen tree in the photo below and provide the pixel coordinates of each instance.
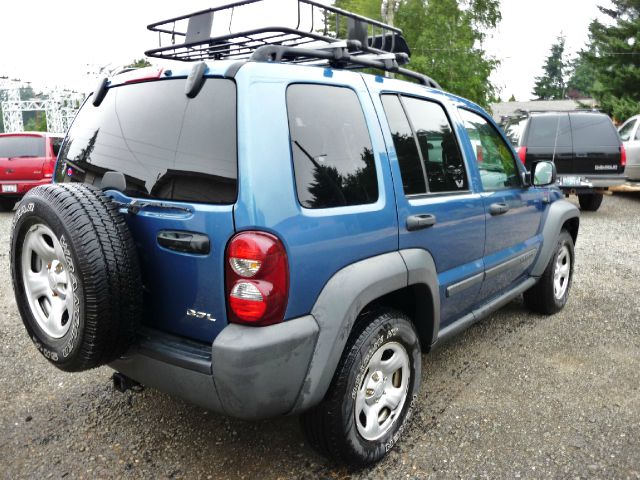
(582, 77)
(614, 54)
(512, 98)
(551, 85)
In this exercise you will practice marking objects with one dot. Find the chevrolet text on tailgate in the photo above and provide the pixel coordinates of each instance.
(275, 233)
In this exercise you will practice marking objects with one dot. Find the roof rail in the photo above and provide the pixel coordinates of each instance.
(319, 33)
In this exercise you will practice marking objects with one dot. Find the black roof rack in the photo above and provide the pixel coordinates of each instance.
(317, 35)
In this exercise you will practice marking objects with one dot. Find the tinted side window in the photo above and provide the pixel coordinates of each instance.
(167, 145)
(21, 146)
(438, 145)
(593, 130)
(408, 157)
(496, 163)
(332, 152)
(549, 131)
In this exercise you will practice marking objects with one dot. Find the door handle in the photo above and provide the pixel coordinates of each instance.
(498, 208)
(187, 242)
(418, 222)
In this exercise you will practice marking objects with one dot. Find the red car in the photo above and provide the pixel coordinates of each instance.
(26, 161)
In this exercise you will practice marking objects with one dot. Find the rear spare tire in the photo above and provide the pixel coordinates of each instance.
(75, 275)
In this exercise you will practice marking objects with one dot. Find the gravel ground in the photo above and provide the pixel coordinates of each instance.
(516, 396)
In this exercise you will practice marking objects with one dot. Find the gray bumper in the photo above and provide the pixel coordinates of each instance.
(249, 372)
(590, 182)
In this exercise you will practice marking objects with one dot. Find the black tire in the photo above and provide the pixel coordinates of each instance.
(590, 202)
(541, 298)
(331, 426)
(7, 204)
(93, 248)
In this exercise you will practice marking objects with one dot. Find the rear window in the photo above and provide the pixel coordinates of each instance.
(332, 153)
(21, 146)
(167, 145)
(549, 131)
(592, 130)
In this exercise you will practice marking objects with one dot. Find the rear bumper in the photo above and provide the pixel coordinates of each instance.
(590, 182)
(248, 372)
(22, 187)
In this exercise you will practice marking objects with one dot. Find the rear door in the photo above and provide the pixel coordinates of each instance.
(178, 156)
(548, 137)
(596, 144)
(513, 210)
(438, 210)
(21, 158)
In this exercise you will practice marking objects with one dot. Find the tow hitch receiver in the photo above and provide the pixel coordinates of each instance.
(122, 383)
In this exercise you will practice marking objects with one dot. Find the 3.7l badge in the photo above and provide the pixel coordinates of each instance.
(197, 314)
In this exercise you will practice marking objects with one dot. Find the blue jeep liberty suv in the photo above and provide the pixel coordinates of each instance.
(279, 234)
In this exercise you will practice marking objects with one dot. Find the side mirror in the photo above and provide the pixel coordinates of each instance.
(544, 173)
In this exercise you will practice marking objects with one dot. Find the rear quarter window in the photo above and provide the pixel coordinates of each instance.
(331, 148)
(593, 130)
(167, 145)
(549, 131)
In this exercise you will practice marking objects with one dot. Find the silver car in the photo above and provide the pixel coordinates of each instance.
(630, 135)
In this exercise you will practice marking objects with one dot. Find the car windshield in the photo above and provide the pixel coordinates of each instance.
(21, 146)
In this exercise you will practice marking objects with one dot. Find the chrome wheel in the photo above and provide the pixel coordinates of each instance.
(46, 281)
(383, 391)
(562, 272)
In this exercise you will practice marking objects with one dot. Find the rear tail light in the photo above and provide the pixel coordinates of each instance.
(623, 156)
(47, 169)
(522, 154)
(256, 278)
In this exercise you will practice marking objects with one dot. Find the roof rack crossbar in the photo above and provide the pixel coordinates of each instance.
(371, 44)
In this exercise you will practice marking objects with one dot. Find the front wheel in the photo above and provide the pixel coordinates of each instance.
(372, 394)
(550, 294)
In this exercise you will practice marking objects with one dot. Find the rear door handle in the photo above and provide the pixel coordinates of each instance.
(498, 208)
(187, 242)
(418, 222)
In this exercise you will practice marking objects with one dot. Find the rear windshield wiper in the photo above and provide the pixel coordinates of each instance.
(135, 206)
(21, 156)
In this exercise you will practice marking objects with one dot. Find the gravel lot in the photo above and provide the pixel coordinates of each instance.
(517, 395)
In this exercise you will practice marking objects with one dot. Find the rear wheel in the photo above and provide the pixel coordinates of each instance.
(75, 275)
(590, 202)
(372, 393)
(550, 294)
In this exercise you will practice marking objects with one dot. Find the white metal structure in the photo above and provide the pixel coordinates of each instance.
(60, 107)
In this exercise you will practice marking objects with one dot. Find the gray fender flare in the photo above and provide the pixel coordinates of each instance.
(559, 212)
(340, 302)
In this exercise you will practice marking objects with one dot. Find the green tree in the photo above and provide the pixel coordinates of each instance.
(582, 76)
(614, 54)
(35, 121)
(445, 37)
(551, 85)
(512, 98)
(139, 63)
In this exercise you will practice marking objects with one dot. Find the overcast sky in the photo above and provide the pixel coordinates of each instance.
(55, 43)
